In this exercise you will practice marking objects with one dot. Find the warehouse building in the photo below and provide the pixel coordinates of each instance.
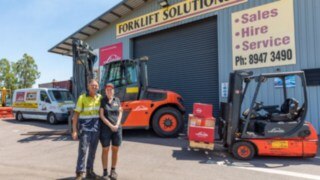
(193, 45)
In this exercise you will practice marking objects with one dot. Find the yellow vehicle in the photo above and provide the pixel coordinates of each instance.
(5, 106)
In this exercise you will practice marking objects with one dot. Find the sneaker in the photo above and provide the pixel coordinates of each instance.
(79, 176)
(113, 175)
(91, 175)
(105, 176)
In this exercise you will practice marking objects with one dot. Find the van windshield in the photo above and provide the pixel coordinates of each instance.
(60, 96)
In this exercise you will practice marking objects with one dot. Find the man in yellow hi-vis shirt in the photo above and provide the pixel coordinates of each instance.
(86, 128)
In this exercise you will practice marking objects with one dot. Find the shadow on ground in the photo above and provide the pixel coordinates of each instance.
(51, 132)
(68, 178)
(149, 137)
(33, 138)
(72, 178)
(55, 132)
(220, 156)
(39, 123)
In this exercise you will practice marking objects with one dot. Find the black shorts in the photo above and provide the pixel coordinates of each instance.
(107, 136)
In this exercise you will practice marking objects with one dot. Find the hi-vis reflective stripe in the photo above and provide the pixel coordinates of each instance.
(91, 109)
(87, 109)
(78, 109)
(88, 117)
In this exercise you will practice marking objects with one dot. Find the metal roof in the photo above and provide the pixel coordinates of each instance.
(118, 11)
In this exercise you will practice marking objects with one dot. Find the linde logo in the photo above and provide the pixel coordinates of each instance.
(202, 134)
(198, 110)
(276, 130)
(112, 58)
(141, 108)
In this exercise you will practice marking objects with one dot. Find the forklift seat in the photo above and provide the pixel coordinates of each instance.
(289, 111)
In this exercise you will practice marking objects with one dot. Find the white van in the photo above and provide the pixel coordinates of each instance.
(51, 104)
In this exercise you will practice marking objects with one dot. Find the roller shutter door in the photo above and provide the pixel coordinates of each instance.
(184, 59)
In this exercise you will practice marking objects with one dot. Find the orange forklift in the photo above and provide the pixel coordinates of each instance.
(277, 127)
(5, 106)
(144, 107)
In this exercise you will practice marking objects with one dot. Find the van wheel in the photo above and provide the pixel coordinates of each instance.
(243, 150)
(52, 118)
(167, 122)
(19, 116)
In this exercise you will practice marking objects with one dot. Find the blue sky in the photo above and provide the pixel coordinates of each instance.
(34, 26)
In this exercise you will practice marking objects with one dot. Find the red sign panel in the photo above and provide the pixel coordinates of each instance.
(110, 53)
(20, 96)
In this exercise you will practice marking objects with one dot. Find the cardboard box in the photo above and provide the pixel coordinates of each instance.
(201, 134)
(210, 122)
(192, 120)
(197, 121)
(202, 110)
(201, 145)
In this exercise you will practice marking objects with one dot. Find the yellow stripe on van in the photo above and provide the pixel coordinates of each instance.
(132, 90)
(25, 105)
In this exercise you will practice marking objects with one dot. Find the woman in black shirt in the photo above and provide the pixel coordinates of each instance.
(111, 131)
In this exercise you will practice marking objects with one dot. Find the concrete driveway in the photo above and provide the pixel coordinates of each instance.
(142, 156)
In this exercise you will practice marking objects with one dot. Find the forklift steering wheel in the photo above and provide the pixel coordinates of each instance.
(290, 105)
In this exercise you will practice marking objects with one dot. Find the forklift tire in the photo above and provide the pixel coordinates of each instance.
(243, 150)
(19, 116)
(52, 118)
(167, 122)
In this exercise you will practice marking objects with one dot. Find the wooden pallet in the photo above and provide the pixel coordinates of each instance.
(201, 145)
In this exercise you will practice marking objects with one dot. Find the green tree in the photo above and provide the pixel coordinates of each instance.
(4, 69)
(7, 77)
(26, 71)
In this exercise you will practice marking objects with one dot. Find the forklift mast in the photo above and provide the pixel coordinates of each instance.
(143, 75)
(83, 60)
(4, 95)
(235, 98)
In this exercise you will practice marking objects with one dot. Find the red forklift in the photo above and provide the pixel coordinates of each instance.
(277, 127)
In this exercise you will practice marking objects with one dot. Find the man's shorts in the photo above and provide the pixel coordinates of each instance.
(107, 136)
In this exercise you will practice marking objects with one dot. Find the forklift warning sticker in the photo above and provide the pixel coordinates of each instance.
(173, 13)
(264, 36)
(279, 144)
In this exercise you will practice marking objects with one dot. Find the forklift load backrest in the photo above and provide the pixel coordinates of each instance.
(83, 61)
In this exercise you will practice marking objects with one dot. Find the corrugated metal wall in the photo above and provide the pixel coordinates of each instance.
(307, 32)
(174, 48)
